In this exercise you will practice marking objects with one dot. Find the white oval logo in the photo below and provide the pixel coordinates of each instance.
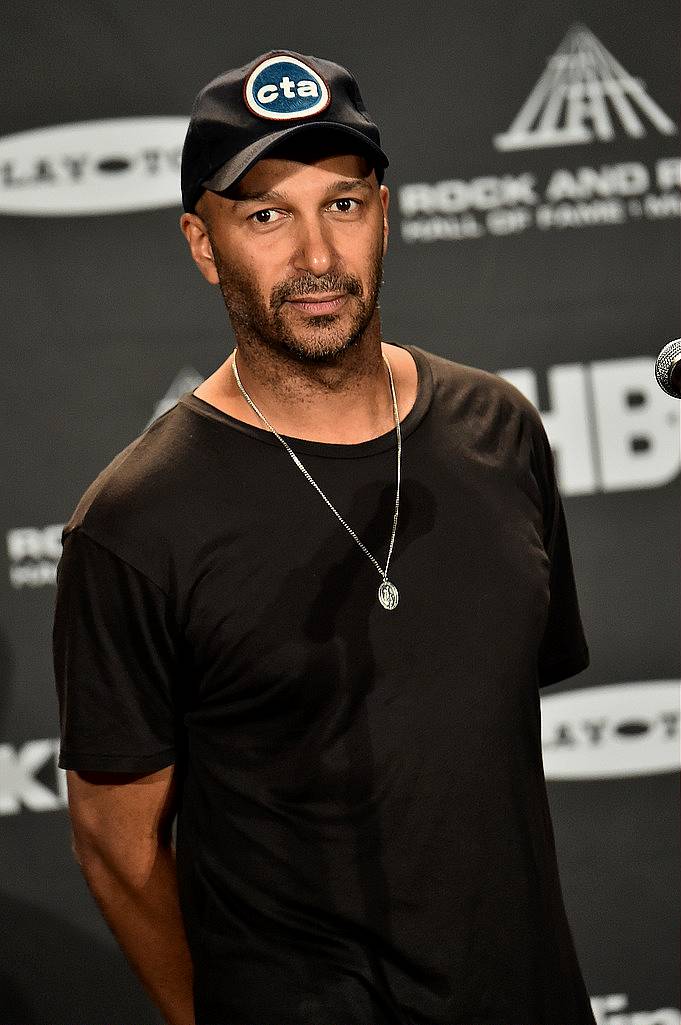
(283, 88)
(612, 731)
(93, 167)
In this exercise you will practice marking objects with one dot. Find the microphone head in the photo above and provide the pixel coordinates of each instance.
(668, 368)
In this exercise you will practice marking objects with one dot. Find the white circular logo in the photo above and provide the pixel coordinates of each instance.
(284, 88)
(93, 167)
(610, 731)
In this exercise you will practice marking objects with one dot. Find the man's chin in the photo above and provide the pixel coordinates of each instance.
(318, 350)
(322, 339)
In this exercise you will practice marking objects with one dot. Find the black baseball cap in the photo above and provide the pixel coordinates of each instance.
(244, 113)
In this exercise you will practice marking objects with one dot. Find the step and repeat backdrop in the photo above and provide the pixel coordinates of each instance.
(535, 197)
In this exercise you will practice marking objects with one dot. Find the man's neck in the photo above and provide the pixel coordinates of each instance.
(344, 402)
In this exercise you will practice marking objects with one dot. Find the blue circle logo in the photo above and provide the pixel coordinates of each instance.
(282, 88)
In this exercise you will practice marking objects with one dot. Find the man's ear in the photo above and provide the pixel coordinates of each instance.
(385, 201)
(196, 233)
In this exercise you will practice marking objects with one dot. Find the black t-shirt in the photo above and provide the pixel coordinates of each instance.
(363, 834)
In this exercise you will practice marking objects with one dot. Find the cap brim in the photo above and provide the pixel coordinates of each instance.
(233, 169)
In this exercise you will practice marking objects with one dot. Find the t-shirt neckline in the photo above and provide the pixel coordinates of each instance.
(424, 395)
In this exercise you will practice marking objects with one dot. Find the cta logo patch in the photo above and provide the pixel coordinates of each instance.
(283, 88)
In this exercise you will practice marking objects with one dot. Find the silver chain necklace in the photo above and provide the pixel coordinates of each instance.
(388, 595)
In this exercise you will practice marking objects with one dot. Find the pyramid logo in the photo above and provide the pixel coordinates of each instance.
(579, 97)
(186, 380)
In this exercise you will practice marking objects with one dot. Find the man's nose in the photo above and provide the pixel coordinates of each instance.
(315, 252)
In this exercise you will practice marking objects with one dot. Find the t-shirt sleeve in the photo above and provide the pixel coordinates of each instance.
(115, 663)
(563, 650)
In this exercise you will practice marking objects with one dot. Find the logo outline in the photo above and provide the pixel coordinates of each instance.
(584, 86)
(252, 104)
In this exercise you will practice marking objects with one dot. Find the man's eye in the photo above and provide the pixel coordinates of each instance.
(345, 205)
(266, 216)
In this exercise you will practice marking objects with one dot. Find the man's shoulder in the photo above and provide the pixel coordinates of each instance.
(478, 388)
(135, 502)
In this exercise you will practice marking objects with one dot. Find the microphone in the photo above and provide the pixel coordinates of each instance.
(668, 368)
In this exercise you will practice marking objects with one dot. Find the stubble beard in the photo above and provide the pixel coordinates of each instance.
(323, 338)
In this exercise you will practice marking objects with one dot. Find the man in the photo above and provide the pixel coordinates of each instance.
(309, 611)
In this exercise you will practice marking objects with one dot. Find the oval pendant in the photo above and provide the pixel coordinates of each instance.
(388, 595)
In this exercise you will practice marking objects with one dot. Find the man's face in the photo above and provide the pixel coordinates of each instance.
(297, 248)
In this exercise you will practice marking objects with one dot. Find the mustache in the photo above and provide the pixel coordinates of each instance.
(310, 285)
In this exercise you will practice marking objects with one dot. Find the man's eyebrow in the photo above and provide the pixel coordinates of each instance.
(271, 195)
(348, 184)
(252, 197)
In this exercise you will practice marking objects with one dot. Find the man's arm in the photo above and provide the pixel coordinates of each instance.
(122, 841)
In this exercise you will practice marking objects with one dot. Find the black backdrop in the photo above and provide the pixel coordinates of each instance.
(534, 232)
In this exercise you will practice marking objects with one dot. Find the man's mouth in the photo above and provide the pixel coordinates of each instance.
(319, 303)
